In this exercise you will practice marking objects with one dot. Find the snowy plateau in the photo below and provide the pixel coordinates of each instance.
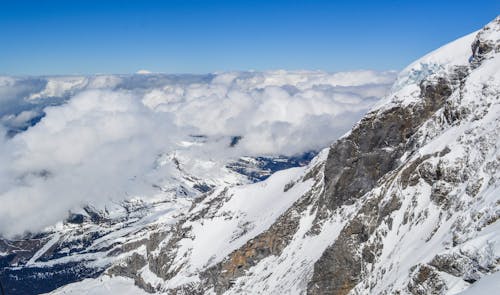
(405, 202)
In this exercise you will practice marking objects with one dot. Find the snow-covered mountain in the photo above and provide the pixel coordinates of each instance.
(407, 202)
(92, 163)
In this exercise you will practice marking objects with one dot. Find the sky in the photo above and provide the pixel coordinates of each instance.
(193, 36)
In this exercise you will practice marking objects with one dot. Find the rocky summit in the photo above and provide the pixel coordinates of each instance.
(407, 202)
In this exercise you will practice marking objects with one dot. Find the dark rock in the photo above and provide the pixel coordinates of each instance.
(263, 167)
(94, 214)
(410, 176)
(203, 187)
(425, 281)
(454, 264)
(355, 165)
(235, 140)
(75, 218)
(37, 280)
(340, 267)
(439, 193)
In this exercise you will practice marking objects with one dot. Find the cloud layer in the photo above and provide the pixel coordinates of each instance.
(100, 138)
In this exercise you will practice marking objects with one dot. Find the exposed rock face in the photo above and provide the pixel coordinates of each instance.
(373, 148)
(425, 280)
(355, 165)
(385, 136)
(340, 267)
(484, 46)
(270, 242)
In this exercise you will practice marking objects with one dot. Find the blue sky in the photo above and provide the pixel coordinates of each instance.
(194, 36)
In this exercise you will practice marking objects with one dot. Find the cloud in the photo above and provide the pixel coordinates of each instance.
(104, 138)
(143, 72)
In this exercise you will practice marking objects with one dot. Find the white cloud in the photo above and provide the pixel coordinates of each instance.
(143, 72)
(104, 141)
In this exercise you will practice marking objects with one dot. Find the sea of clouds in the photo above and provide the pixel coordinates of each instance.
(70, 141)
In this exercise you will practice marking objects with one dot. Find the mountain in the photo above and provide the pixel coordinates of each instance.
(91, 163)
(406, 202)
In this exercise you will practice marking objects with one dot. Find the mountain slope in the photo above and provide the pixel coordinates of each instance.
(93, 164)
(407, 202)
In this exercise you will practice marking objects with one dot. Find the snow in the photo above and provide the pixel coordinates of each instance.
(291, 271)
(250, 210)
(104, 285)
(405, 90)
(488, 285)
(456, 53)
(54, 239)
(150, 277)
(143, 72)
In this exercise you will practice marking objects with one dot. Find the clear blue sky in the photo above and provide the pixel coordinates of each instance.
(189, 36)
